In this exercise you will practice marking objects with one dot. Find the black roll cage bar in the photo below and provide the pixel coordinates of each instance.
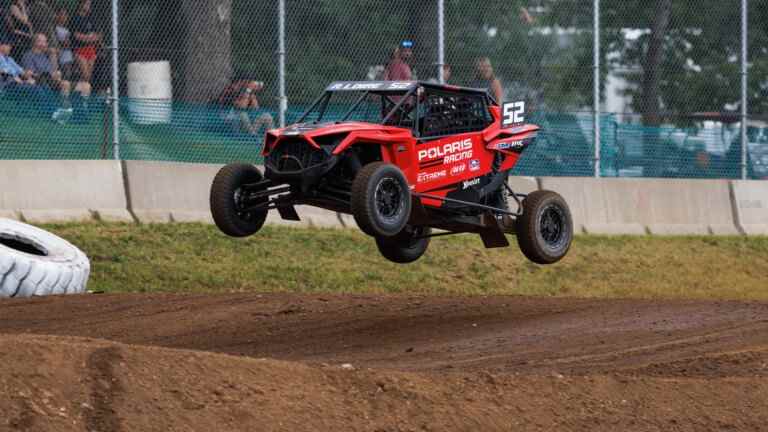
(326, 97)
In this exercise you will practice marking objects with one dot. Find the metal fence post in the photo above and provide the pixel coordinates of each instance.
(283, 100)
(596, 85)
(115, 95)
(441, 41)
(744, 83)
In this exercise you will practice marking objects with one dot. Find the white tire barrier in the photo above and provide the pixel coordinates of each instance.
(34, 262)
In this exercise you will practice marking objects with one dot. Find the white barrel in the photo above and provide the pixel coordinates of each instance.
(150, 92)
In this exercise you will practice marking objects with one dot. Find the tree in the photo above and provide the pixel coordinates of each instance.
(650, 95)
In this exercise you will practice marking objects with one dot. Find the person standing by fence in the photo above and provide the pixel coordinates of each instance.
(399, 68)
(486, 79)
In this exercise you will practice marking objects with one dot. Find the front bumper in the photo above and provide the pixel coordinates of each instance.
(304, 178)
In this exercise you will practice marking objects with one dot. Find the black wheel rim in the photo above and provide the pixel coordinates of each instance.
(552, 226)
(388, 199)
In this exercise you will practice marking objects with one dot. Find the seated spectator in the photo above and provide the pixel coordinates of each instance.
(21, 84)
(12, 75)
(245, 113)
(20, 27)
(42, 15)
(4, 30)
(39, 64)
(64, 40)
(86, 40)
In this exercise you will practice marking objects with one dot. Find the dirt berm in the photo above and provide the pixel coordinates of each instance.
(380, 363)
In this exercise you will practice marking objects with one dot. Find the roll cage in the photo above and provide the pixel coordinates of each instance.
(429, 110)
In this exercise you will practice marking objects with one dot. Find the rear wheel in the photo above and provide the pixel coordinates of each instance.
(381, 200)
(545, 229)
(229, 203)
(406, 247)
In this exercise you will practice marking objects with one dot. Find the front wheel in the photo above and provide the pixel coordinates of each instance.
(229, 201)
(406, 247)
(381, 200)
(545, 229)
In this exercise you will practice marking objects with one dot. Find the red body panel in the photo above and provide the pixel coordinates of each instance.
(435, 166)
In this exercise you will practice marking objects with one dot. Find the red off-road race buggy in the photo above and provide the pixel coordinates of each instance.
(410, 161)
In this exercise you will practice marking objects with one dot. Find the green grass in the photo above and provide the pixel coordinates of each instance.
(197, 258)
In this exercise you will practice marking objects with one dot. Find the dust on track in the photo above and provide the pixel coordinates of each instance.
(418, 363)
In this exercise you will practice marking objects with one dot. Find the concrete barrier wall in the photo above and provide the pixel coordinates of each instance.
(750, 204)
(54, 191)
(655, 206)
(168, 192)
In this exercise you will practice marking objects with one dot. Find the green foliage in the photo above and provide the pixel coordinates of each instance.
(700, 70)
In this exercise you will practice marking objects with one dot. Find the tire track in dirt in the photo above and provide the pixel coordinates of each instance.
(105, 389)
(528, 335)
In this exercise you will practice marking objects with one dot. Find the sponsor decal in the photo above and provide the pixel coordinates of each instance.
(399, 85)
(374, 85)
(451, 152)
(356, 86)
(458, 169)
(469, 183)
(511, 145)
(424, 177)
(474, 164)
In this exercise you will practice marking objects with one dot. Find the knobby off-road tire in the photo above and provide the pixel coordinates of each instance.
(226, 201)
(406, 247)
(381, 200)
(34, 262)
(545, 230)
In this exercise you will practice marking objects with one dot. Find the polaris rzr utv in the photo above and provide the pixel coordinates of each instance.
(409, 161)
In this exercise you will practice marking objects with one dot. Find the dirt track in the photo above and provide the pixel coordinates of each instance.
(419, 363)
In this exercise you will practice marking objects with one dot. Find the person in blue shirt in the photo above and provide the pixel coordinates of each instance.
(12, 73)
(38, 62)
(21, 85)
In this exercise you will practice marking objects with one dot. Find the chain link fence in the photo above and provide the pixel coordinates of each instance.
(201, 80)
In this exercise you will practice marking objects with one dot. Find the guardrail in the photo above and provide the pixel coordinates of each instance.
(161, 192)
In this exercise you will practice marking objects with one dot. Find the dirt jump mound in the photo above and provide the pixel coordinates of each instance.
(323, 362)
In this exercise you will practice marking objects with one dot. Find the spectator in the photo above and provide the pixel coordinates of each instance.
(245, 113)
(39, 64)
(17, 82)
(486, 79)
(4, 33)
(446, 75)
(86, 40)
(525, 16)
(11, 73)
(43, 18)
(64, 40)
(20, 27)
(399, 68)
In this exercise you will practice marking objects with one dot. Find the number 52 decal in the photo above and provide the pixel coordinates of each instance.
(512, 113)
